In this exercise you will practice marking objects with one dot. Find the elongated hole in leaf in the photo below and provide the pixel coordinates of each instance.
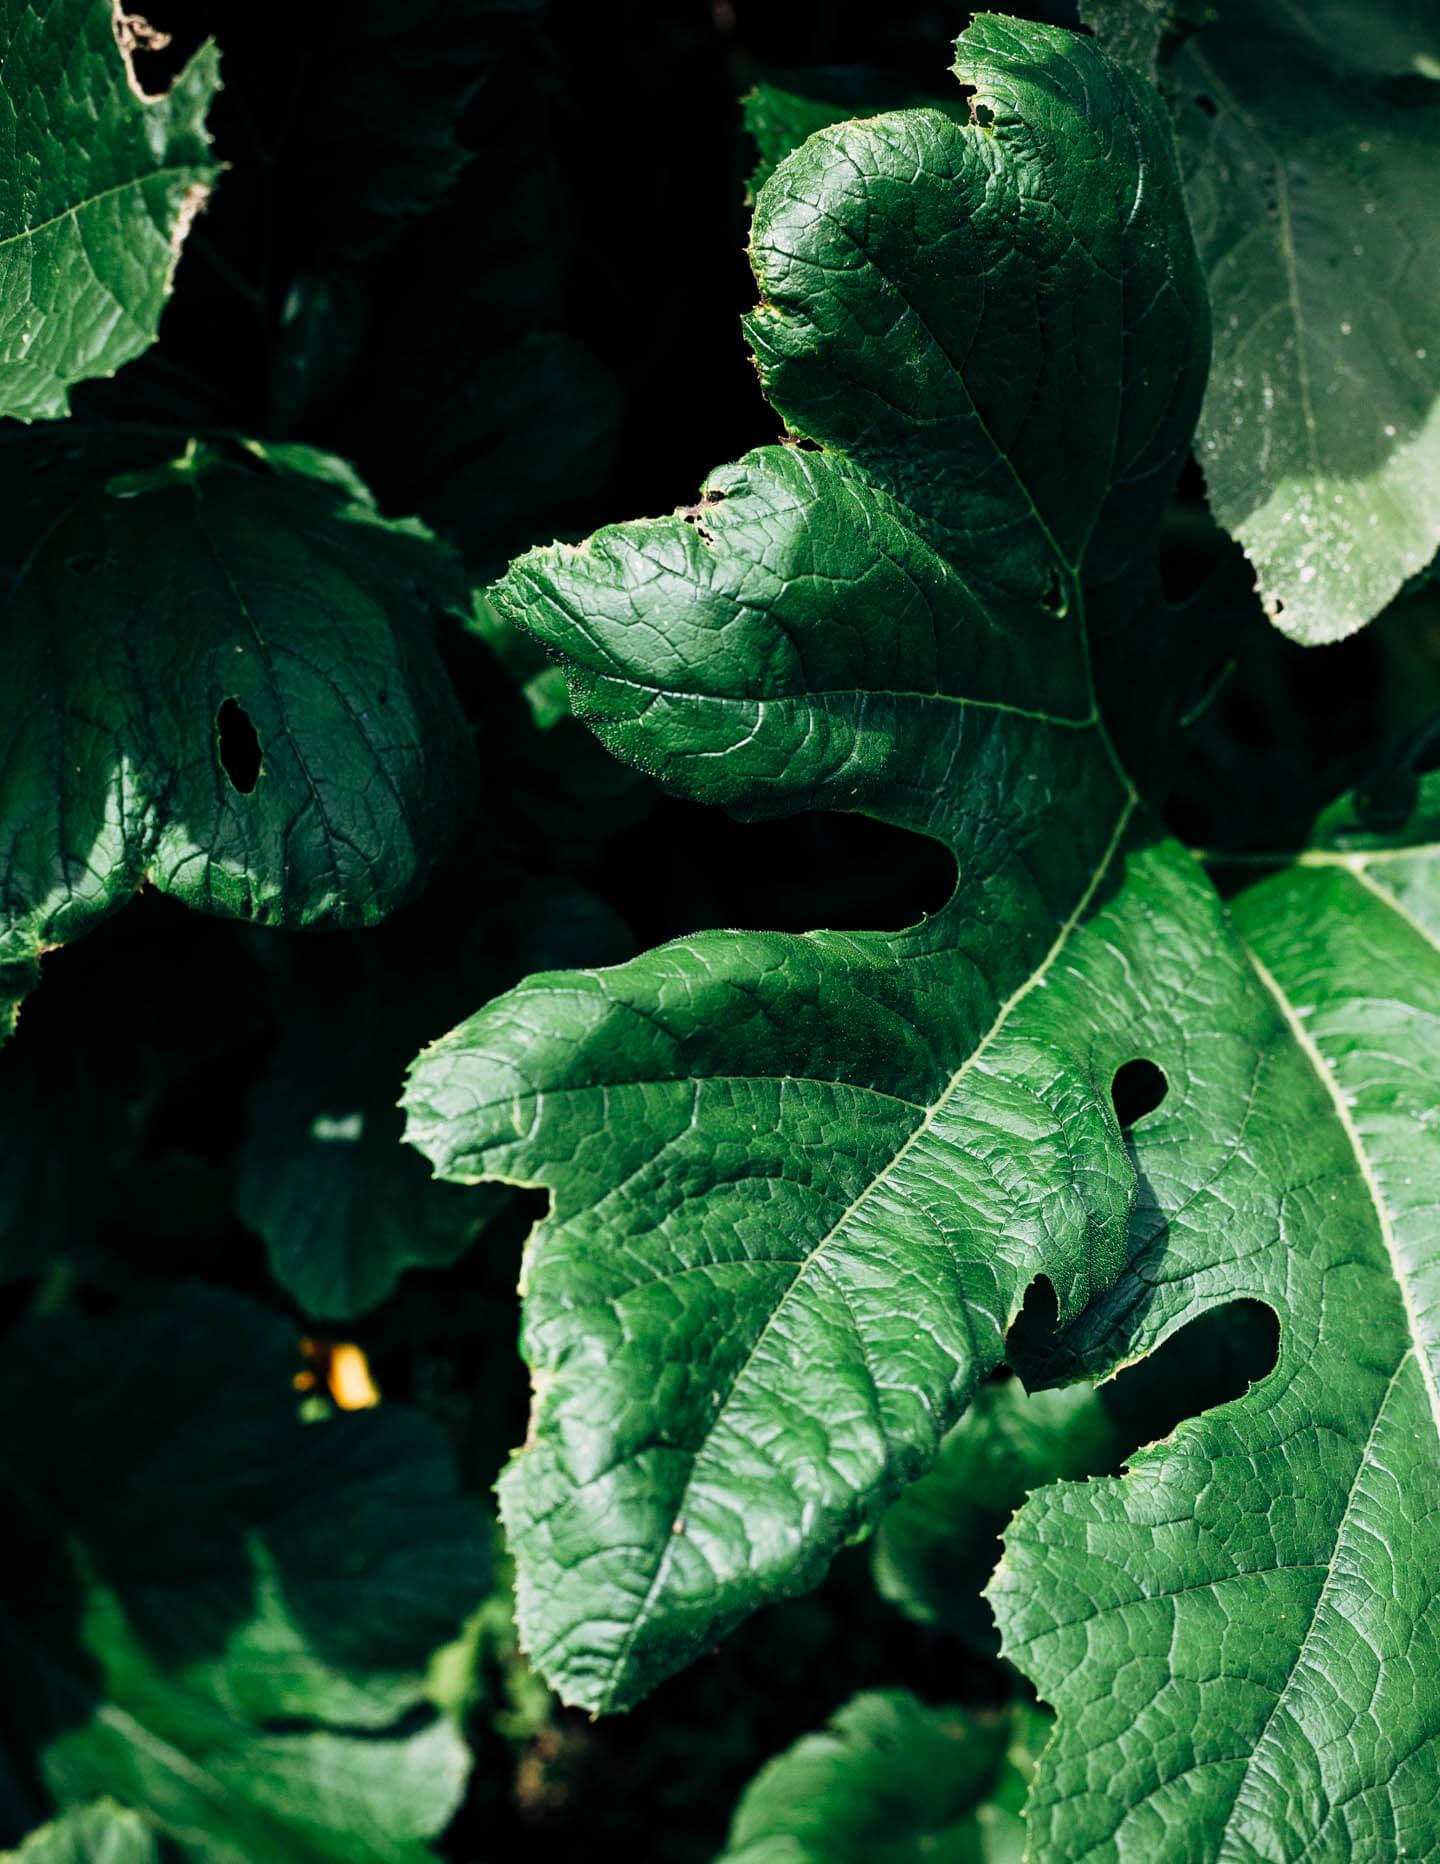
(1206, 104)
(1212, 1360)
(238, 746)
(1138, 1088)
(687, 866)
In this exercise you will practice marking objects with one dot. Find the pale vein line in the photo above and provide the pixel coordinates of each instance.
(93, 200)
(1367, 1171)
(1002, 1016)
(1400, 910)
(1340, 1532)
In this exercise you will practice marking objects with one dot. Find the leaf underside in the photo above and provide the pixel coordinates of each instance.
(1310, 145)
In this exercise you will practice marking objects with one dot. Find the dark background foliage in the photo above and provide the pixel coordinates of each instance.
(527, 344)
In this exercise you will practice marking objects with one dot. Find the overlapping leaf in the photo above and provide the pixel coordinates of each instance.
(99, 184)
(1241, 1635)
(896, 1779)
(216, 1613)
(221, 679)
(1310, 143)
(801, 1183)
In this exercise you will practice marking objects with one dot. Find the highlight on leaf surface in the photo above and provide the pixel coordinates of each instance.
(1240, 1635)
(100, 182)
(801, 1183)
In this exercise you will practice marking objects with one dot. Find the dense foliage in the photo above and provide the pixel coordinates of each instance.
(1043, 703)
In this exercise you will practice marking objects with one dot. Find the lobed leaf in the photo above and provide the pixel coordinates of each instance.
(1240, 1635)
(100, 183)
(800, 1184)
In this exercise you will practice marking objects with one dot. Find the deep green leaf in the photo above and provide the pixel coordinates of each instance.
(99, 185)
(1310, 143)
(893, 1781)
(800, 1184)
(1242, 1636)
(221, 679)
(216, 1613)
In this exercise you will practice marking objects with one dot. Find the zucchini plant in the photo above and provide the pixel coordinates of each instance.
(980, 1369)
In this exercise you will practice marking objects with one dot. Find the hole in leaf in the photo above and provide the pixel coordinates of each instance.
(1040, 1314)
(1211, 1361)
(1207, 104)
(238, 744)
(1054, 597)
(688, 866)
(1138, 1088)
(83, 565)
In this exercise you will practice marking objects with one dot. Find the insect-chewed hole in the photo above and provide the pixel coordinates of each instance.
(1138, 1088)
(238, 746)
(1206, 104)
(1212, 1360)
(85, 564)
(1040, 1313)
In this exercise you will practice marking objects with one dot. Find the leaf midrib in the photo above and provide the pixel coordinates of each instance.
(617, 1665)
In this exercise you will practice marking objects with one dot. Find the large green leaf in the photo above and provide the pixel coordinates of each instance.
(893, 1781)
(1242, 1635)
(1311, 151)
(800, 1184)
(221, 679)
(99, 184)
(216, 1613)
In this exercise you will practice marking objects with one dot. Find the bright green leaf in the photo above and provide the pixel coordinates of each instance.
(215, 1612)
(221, 679)
(99, 185)
(1242, 1635)
(100, 1833)
(800, 1184)
(1310, 173)
(893, 1781)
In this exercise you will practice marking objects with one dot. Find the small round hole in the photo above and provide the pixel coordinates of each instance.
(1138, 1088)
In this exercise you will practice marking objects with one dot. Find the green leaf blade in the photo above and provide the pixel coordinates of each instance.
(763, 1150)
(103, 183)
(892, 1778)
(1308, 169)
(149, 608)
(1239, 1635)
